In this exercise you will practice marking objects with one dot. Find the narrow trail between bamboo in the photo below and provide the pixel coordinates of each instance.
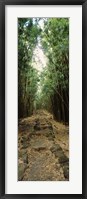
(43, 149)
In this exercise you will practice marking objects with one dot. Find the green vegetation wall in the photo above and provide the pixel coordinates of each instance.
(55, 78)
(27, 75)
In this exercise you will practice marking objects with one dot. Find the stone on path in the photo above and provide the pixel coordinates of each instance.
(42, 149)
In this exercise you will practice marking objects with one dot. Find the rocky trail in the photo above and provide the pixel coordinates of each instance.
(43, 149)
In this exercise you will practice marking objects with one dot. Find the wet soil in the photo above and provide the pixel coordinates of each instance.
(43, 149)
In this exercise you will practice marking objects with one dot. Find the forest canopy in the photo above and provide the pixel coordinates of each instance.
(49, 88)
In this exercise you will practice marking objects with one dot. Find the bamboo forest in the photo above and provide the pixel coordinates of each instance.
(43, 99)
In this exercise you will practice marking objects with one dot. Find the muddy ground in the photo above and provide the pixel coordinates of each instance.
(43, 149)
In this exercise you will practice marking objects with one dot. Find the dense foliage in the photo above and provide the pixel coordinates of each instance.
(54, 79)
(27, 75)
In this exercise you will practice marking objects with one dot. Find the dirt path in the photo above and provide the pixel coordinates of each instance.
(43, 149)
